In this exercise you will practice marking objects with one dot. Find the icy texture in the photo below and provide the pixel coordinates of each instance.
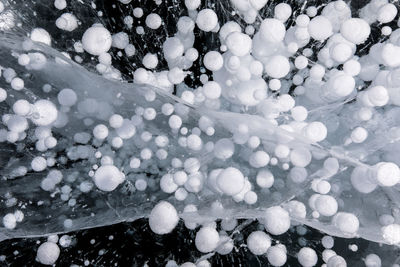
(109, 155)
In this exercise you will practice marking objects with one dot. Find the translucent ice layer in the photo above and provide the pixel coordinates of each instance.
(292, 119)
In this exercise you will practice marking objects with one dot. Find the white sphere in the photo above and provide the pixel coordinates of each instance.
(391, 234)
(17, 84)
(207, 20)
(192, 4)
(272, 30)
(336, 261)
(48, 253)
(315, 131)
(212, 90)
(127, 130)
(387, 13)
(347, 222)
(320, 28)
(282, 11)
(10, 221)
(3, 94)
(299, 113)
(230, 181)
(259, 159)
(108, 177)
(60, 4)
(307, 257)
(194, 142)
(153, 21)
(213, 61)
(67, 97)
(228, 28)
(326, 205)
(96, 40)
(276, 220)
(328, 241)
(173, 48)
(44, 113)
(300, 157)
(355, 30)
(359, 182)
(100, 132)
(39, 164)
(378, 96)
(265, 178)
(21, 107)
(358, 135)
(150, 61)
(167, 183)
(224, 148)
(41, 35)
(163, 218)
(67, 22)
(387, 173)
(276, 256)
(373, 260)
(207, 239)
(277, 66)
(258, 242)
(239, 43)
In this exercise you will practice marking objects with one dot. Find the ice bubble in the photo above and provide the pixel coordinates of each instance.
(277, 255)
(108, 177)
(373, 260)
(67, 97)
(163, 218)
(355, 30)
(10, 221)
(387, 173)
(258, 242)
(277, 67)
(264, 122)
(391, 233)
(224, 148)
(230, 181)
(347, 223)
(153, 21)
(359, 134)
(213, 60)
(44, 113)
(41, 35)
(39, 164)
(96, 40)
(282, 11)
(276, 220)
(387, 13)
(207, 20)
(192, 4)
(326, 205)
(335, 261)
(272, 30)
(307, 257)
(67, 22)
(60, 4)
(207, 239)
(48, 253)
(238, 43)
(320, 28)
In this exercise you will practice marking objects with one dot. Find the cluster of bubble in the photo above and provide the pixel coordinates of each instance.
(270, 130)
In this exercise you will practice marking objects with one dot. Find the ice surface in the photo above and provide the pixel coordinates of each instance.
(63, 206)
